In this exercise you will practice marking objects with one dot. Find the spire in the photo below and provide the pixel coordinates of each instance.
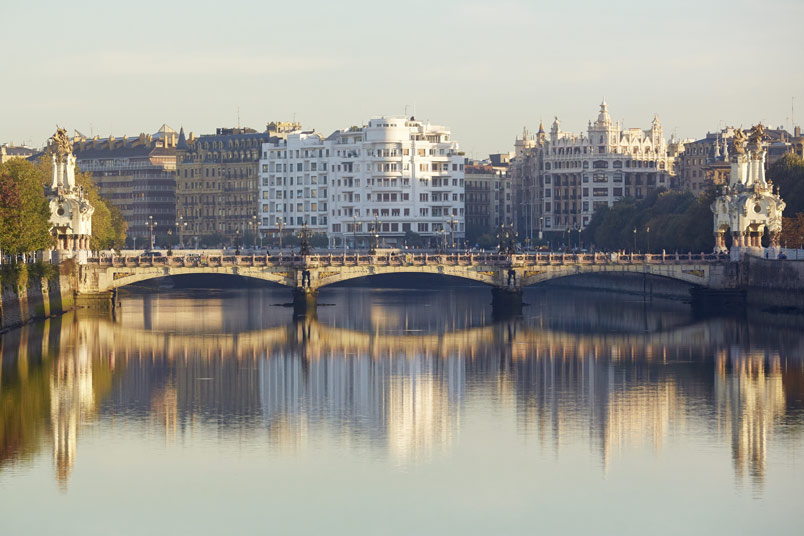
(541, 127)
(603, 119)
(182, 143)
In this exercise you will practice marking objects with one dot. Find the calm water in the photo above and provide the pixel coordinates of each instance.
(401, 412)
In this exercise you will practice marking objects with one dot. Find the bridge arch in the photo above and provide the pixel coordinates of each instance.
(117, 277)
(692, 275)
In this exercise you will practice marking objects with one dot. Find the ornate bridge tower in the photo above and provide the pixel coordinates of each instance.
(748, 205)
(70, 211)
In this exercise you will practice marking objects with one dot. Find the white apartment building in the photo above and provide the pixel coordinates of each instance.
(390, 177)
(294, 177)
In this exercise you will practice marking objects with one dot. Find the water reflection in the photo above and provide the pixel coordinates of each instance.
(393, 373)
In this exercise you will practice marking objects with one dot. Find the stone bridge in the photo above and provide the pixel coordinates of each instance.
(506, 274)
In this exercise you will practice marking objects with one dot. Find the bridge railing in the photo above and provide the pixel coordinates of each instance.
(406, 259)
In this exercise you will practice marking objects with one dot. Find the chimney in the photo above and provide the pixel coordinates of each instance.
(797, 132)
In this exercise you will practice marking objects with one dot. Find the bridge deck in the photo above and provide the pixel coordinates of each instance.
(408, 259)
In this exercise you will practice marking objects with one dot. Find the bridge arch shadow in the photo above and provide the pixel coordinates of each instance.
(407, 280)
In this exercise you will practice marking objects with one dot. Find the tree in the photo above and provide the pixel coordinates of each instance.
(24, 209)
(678, 221)
(788, 174)
(414, 239)
(793, 231)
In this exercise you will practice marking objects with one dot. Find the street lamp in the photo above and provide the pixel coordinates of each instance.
(635, 233)
(237, 239)
(180, 226)
(568, 238)
(354, 230)
(151, 224)
(281, 226)
(170, 242)
(376, 236)
(541, 225)
(647, 229)
(255, 224)
(452, 221)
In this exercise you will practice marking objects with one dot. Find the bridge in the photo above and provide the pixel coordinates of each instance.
(507, 274)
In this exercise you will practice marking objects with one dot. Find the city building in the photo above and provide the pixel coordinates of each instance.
(138, 176)
(584, 173)
(526, 182)
(489, 198)
(8, 152)
(704, 162)
(389, 181)
(579, 173)
(217, 183)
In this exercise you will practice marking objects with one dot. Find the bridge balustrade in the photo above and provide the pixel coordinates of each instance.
(407, 259)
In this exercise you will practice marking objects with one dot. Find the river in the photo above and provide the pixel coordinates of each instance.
(401, 411)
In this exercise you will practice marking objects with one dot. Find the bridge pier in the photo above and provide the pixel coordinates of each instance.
(506, 301)
(304, 301)
(96, 300)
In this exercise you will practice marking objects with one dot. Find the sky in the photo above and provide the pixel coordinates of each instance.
(484, 69)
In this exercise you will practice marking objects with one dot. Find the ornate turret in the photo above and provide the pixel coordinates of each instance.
(603, 119)
(70, 211)
(747, 205)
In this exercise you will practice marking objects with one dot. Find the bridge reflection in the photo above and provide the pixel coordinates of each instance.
(388, 388)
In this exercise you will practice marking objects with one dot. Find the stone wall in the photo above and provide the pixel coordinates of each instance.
(774, 283)
(35, 300)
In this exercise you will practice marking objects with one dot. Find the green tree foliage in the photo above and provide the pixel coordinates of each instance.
(678, 221)
(788, 174)
(24, 210)
(793, 231)
(319, 240)
(414, 239)
(119, 226)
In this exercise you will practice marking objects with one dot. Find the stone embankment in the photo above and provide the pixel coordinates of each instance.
(773, 283)
(32, 298)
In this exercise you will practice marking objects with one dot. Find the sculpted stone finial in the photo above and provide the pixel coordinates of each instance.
(757, 135)
(739, 141)
(61, 143)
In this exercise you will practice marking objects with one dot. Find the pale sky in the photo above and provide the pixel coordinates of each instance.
(485, 69)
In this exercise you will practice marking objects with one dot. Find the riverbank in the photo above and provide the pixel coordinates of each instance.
(31, 293)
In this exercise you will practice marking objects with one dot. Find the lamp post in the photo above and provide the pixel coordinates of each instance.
(255, 224)
(281, 226)
(578, 228)
(237, 239)
(354, 230)
(304, 240)
(541, 225)
(170, 242)
(568, 238)
(180, 226)
(452, 221)
(376, 235)
(647, 229)
(151, 224)
(635, 233)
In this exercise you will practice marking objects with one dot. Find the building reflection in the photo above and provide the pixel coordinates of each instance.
(750, 401)
(406, 402)
(398, 388)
